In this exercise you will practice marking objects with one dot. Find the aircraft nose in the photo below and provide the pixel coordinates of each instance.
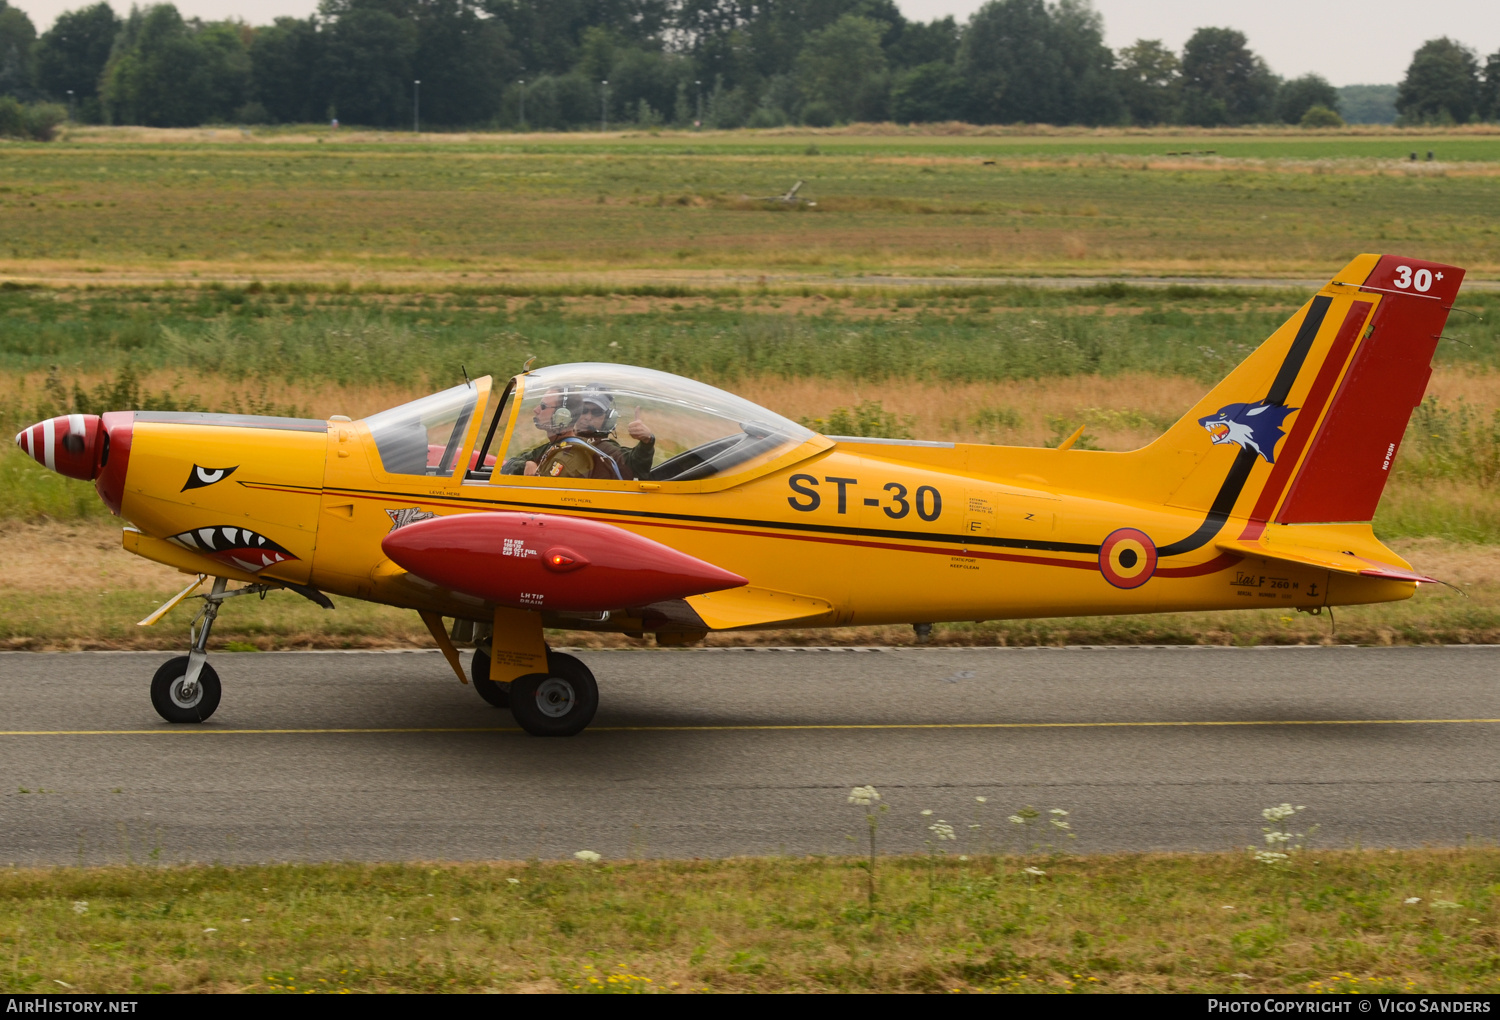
(70, 444)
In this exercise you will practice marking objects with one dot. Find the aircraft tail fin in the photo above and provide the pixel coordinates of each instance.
(1305, 429)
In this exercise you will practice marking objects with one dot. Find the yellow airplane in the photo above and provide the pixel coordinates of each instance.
(606, 497)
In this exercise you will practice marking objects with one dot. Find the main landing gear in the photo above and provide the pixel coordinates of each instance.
(557, 703)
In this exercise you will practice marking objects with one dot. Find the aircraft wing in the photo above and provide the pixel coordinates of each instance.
(1342, 561)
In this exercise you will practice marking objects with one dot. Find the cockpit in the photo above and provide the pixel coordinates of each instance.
(586, 421)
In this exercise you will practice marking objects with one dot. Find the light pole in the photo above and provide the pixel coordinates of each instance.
(698, 90)
(522, 122)
(416, 106)
(604, 105)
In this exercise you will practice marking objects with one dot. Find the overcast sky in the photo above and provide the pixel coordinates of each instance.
(1370, 42)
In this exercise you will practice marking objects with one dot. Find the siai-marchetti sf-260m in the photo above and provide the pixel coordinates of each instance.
(606, 497)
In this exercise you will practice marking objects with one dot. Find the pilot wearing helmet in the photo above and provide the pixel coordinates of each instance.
(544, 417)
(587, 451)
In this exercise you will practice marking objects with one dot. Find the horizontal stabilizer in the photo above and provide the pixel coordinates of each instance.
(755, 607)
(1345, 562)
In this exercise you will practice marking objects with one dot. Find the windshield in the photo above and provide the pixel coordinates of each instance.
(616, 422)
(424, 437)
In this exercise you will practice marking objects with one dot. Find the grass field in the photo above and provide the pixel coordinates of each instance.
(1335, 921)
(488, 208)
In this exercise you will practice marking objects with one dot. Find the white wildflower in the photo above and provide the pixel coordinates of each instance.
(1037, 872)
(1445, 905)
(244, 920)
(926, 812)
(963, 857)
(1281, 812)
(1227, 906)
(1271, 858)
(207, 930)
(589, 856)
(1059, 812)
(514, 881)
(455, 919)
(864, 796)
(1411, 900)
(80, 906)
(942, 830)
(1017, 819)
(981, 800)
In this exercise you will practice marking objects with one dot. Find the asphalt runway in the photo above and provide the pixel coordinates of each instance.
(718, 752)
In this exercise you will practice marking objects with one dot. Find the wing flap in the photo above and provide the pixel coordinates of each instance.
(755, 607)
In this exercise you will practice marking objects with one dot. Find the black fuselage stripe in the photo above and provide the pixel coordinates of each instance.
(741, 522)
(1239, 471)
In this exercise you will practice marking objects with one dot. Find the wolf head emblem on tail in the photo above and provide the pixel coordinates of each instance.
(1255, 427)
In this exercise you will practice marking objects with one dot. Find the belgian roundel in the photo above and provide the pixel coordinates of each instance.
(1127, 559)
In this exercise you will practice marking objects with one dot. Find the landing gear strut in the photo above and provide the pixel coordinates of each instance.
(186, 689)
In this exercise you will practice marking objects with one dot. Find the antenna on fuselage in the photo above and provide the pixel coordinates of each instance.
(527, 367)
(467, 382)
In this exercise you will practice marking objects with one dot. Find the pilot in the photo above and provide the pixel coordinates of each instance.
(596, 423)
(542, 418)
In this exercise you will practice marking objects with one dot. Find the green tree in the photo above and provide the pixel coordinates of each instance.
(1294, 98)
(1489, 88)
(167, 72)
(464, 61)
(1442, 84)
(843, 67)
(72, 54)
(368, 56)
(1027, 60)
(286, 70)
(1368, 104)
(1150, 82)
(1223, 81)
(927, 93)
(548, 34)
(920, 43)
(17, 37)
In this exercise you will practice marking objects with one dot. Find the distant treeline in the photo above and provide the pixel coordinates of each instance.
(566, 64)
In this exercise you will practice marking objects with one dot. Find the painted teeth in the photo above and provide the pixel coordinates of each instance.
(223, 539)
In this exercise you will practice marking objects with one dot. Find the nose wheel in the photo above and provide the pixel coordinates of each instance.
(178, 701)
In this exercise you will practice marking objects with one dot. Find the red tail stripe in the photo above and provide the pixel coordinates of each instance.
(1307, 417)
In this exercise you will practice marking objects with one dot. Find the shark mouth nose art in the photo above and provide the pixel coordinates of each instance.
(235, 547)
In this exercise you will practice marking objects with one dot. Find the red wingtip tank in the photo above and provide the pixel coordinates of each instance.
(547, 561)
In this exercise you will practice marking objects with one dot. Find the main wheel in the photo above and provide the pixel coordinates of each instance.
(479, 671)
(558, 703)
(167, 697)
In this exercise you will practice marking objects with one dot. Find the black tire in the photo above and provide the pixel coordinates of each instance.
(560, 702)
(479, 671)
(173, 708)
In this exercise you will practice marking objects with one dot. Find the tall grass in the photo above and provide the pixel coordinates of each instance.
(1020, 333)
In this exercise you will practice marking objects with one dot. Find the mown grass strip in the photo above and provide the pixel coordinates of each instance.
(1366, 920)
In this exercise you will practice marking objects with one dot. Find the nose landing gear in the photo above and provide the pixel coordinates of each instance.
(186, 689)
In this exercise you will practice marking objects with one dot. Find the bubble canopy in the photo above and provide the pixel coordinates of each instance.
(637, 424)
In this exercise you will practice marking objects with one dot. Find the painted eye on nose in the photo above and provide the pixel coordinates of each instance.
(204, 476)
